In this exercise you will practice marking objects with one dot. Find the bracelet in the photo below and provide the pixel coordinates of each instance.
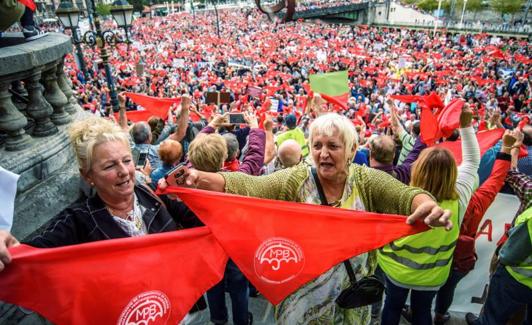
(511, 147)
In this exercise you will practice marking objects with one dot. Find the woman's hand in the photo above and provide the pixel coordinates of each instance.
(6, 241)
(122, 101)
(251, 118)
(466, 116)
(218, 120)
(428, 210)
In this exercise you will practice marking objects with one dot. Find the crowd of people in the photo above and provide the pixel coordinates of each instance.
(369, 155)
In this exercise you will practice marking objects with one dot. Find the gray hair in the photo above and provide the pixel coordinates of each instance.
(140, 132)
(326, 124)
(232, 146)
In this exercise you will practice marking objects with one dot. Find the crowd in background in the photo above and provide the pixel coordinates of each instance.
(265, 69)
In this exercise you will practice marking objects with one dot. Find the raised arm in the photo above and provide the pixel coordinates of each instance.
(467, 171)
(122, 117)
(182, 120)
(254, 158)
(269, 150)
(486, 193)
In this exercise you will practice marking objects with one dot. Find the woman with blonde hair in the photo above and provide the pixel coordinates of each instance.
(120, 208)
(420, 264)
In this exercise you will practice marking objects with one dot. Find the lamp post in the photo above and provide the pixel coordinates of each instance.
(68, 14)
(123, 15)
(217, 18)
(438, 16)
(463, 11)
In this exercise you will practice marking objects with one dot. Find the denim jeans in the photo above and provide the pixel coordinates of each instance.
(237, 285)
(444, 297)
(420, 303)
(505, 296)
(27, 18)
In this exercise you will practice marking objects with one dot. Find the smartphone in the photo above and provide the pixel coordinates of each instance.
(141, 161)
(237, 118)
(175, 176)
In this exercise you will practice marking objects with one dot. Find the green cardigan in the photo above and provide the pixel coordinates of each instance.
(379, 191)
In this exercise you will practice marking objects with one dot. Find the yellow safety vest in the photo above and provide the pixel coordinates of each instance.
(523, 271)
(422, 260)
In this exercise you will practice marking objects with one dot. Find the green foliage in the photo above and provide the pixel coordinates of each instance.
(138, 5)
(507, 6)
(410, 2)
(103, 9)
(428, 5)
(474, 5)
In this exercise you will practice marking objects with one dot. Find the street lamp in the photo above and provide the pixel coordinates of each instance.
(123, 15)
(217, 19)
(68, 14)
(463, 11)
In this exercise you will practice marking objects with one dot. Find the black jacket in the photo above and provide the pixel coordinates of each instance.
(90, 221)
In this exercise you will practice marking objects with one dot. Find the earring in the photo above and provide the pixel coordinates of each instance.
(92, 184)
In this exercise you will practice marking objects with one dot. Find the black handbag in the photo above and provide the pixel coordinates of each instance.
(363, 292)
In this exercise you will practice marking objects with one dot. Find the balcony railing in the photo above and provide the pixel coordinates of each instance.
(36, 107)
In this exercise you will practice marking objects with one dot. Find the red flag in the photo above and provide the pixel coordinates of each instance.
(486, 140)
(280, 246)
(29, 3)
(154, 106)
(151, 279)
(449, 117)
(433, 101)
(339, 101)
(406, 98)
(429, 130)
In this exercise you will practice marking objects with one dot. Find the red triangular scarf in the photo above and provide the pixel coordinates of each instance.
(280, 246)
(339, 101)
(433, 101)
(29, 3)
(120, 281)
(429, 130)
(153, 106)
(449, 117)
(232, 165)
(486, 140)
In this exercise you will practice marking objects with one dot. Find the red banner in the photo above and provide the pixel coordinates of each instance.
(154, 279)
(280, 246)
(486, 140)
(153, 106)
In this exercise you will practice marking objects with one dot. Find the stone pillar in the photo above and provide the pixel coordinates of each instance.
(12, 121)
(65, 87)
(55, 97)
(38, 108)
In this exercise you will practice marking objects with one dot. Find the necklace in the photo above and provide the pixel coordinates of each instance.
(133, 215)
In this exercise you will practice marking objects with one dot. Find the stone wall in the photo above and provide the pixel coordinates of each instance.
(36, 108)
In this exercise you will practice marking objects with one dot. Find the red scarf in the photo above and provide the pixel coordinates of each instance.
(121, 281)
(280, 246)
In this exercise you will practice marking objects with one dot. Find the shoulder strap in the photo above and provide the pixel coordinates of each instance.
(318, 187)
(323, 199)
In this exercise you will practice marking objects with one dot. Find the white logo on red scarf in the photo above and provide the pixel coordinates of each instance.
(278, 260)
(147, 308)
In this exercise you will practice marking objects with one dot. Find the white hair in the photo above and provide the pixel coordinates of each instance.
(328, 123)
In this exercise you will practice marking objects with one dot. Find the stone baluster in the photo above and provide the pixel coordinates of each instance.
(38, 108)
(55, 97)
(12, 121)
(65, 87)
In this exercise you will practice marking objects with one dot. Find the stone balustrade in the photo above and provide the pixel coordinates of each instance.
(36, 106)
